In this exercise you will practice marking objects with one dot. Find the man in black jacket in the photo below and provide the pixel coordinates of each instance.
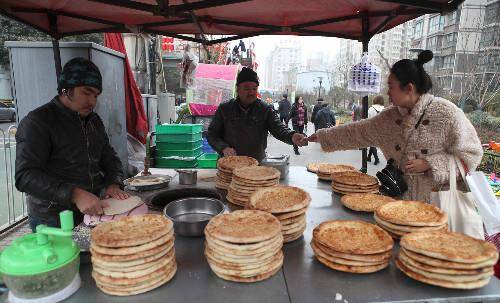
(64, 160)
(284, 109)
(317, 107)
(325, 117)
(240, 125)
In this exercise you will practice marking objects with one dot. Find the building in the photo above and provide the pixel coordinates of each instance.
(284, 57)
(455, 41)
(489, 47)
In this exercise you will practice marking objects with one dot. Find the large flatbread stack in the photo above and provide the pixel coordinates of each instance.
(247, 180)
(447, 259)
(348, 182)
(225, 167)
(325, 170)
(289, 204)
(352, 246)
(133, 255)
(399, 218)
(365, 202)
(244, 246)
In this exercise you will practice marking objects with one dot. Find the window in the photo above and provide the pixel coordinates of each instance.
(433, 43)
(452, 18)
(450, 39)
(436, 24)
(417, 31)
(448, 61)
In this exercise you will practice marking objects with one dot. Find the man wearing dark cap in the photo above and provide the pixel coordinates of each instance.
(64, 160)
(240, 125)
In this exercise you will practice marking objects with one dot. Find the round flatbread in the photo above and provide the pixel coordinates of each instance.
(257, 173)
(447, 264)
(244, 247)
(364, 202)
(233, 162)
(330, 168)
(351, 268)
(313, 167)
(131, 231)
(130, 250)
(380, 258)
(406, 229)
(247, 273)
(354, 178)
(244, 226)
(118, 206)
(353, 237)
(252, 279)
(133, 263)
(412, 213)
(153, 266)
(449, 246)
(279, 199)
(446, 284)
(135, 256)
(291, 214)
(318, 251)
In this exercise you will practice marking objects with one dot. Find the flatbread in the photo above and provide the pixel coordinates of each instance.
(239, 260)
(257, 173)
(446, 284)
(118, 206)
(354, 178)
(244, 247)
(244, 253)
(403, 257)
(293, 219)
(133, 263)
(366, 202)
(280, 199)
(260, 277)
(247, 273)
(168, 259)
(291, 214)
(233, 162)
(136, 257)
(379, 258)
(447, 264)
(353, 237)
(129, 250)
(110, 281)
(244, 226)
(147, 180)
(412, 213)
(313, 167)
(131, 231)
(318, 251)
(329, 168)
(405, 228)
(450, 246)
(350, 268)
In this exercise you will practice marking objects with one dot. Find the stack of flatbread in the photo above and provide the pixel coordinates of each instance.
(352, 246)
(133, 255)
(348, 182)
(244, 246)
(225, 167)
(287, 203)
(447, 259)
(399, 218)
(364, 202)
(247, 180)
(325, 170)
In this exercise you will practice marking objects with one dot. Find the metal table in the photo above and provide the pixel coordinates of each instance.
(302, 278)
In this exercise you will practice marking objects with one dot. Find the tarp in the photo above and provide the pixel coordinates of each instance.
(137, 125)
(353, 19)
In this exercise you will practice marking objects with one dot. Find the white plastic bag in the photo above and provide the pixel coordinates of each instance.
(460, 207)
(486, 202)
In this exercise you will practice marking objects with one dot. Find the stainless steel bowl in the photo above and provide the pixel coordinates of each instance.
(191, 215)
(187, 176)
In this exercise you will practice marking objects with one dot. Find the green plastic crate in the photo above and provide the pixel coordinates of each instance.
(208, 161)
(178, 138)
(175, 163)
(181, 153)
(178, 129)
(179, 146)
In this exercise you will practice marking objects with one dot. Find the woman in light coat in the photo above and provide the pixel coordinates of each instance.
(420, 131)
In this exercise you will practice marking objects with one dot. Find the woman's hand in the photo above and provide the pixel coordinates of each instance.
(417, 166)
(114, 191)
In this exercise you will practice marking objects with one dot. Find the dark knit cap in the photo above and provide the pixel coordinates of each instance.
(79, 72)
(247, 75)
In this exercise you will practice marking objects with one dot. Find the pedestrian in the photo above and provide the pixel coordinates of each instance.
(240, 125)
(64, 160)
(315, 110)
(284, 109)
(375, 109)
(298, 114)
(325, 117)
(419, 133)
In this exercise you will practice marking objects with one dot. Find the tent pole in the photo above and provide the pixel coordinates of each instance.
(365, 40)
(57, 56)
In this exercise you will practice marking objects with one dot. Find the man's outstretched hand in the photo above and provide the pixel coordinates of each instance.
(299, 139)
(313, 138)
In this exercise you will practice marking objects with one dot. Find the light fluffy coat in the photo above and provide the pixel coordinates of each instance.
(443, 131)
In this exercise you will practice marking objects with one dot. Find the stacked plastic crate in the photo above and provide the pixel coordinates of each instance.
(178, 145)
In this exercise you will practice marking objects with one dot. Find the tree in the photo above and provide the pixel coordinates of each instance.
(11, 30)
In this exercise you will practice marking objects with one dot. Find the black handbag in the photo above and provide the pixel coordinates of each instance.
(392, 182)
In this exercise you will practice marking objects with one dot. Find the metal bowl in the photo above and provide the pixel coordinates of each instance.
(191, 215)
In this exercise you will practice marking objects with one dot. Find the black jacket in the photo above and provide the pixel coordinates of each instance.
(284, 108)
(57, 150)
(317, 107)
(246, 130)
(294, 114)
(324, 118)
